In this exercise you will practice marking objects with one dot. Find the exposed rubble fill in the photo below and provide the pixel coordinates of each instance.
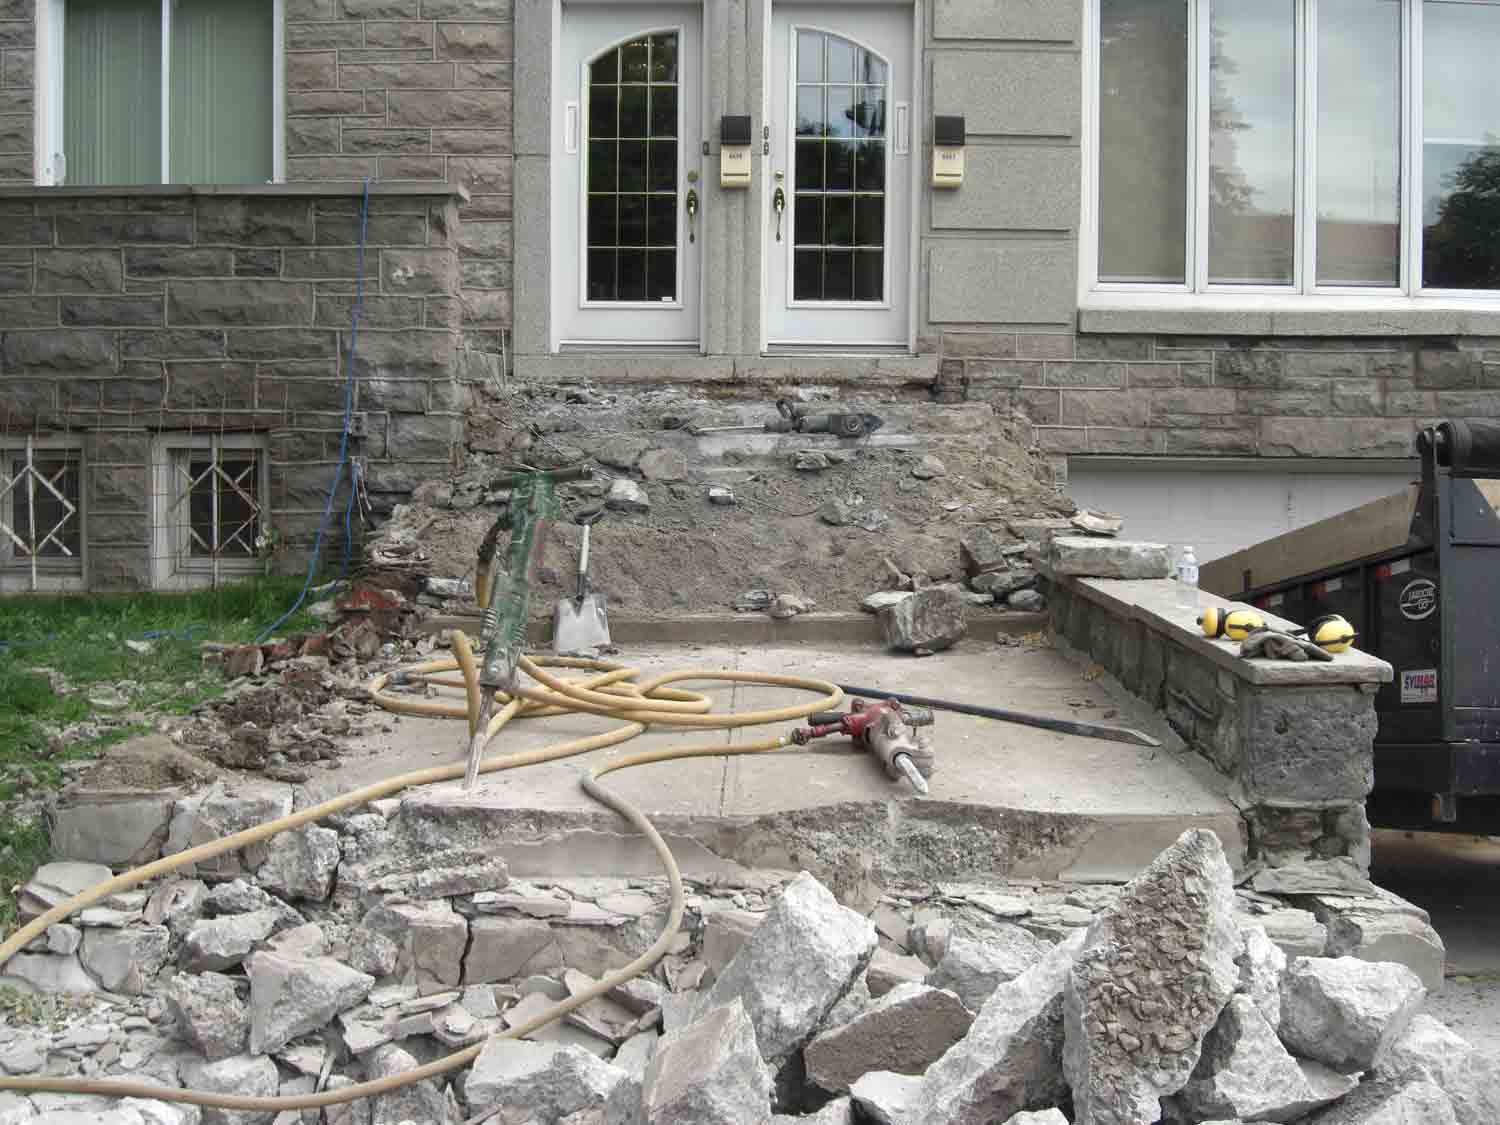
(694, 521)
(1025, 1003)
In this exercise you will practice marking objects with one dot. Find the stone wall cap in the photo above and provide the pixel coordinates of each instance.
(1153, 602)
(304, 189)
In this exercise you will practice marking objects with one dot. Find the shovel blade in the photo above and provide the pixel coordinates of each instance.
(580, 624)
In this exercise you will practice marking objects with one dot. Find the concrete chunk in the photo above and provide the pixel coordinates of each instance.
(796, 965)
(1345, 1012)
(1428, 1050)
(1012, 1056)
(710, 1070)
(1245, 1072)
(1388, 936)
(126, 960)
(906, 1031)
(502, 949)
(290, 996)
(208, 1013)
(418, 1101)
(550, 1080)
(887, 970)
(840, 1111)
(115, 828)
(889, 1099)
(222, 810)
(55, 883)
(928, 621)
(974, 968)
(301, 863)
(251, 1075)
(1041, 1117)
(1261, 965)
(1088, 557)
(1159, 968)
(46, 972)
(222, 943)
(430, 938)
(1378, 1103)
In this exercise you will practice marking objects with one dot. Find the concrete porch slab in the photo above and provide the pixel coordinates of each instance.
(1007, 801)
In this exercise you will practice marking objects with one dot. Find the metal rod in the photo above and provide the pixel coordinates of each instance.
(1045, 722)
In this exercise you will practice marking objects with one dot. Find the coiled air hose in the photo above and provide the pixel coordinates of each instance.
(612, 692)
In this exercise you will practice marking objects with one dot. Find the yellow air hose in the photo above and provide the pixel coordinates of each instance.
(611, 692)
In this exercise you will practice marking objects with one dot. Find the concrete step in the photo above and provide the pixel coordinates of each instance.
(1007, 801)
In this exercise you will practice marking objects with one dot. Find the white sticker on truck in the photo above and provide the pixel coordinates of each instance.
(1419, 686)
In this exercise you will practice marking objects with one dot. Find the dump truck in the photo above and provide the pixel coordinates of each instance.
(1418, 576)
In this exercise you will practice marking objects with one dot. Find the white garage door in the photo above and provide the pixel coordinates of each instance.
(1220, 509)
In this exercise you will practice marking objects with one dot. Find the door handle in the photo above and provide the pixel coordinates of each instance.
(692, 210)
(778, 203)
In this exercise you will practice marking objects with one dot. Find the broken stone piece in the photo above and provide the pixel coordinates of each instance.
(125, 961)
(1245, 1072)
(551, 1080)
(1087, 557)
(301, 863)
(1345, 1012)
(55, 883)
(887, 1098)
(1158, 968)
(795, 966)
(222, 943)
(1097, 523)
(251, 1075)
(627, 496)
(1428, 1050)
(710, 1070)
(929, 620)
(663, 465)
(905, 1031)
(208, 1013)
(973, 969)
(290, 996)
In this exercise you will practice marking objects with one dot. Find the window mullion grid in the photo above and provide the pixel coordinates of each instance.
(1200, 111)
(1304, 175)
(1411, 149)
(166, 90)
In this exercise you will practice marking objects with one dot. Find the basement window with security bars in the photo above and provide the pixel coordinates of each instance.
(41, 517)
(211, 509)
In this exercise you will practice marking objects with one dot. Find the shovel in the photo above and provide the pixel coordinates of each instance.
(580, 623)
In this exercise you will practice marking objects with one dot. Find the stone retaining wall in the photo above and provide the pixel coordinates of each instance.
(1296, 739)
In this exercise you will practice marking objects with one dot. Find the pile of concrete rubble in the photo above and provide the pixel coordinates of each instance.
(323, 958)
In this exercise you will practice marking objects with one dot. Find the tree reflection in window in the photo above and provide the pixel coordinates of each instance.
(838, 171)
(632, 171)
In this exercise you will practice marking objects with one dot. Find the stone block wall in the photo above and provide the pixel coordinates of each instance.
(1297, 741)
(17, 98)
(1231, 396)
(414, 90)
(128, 315)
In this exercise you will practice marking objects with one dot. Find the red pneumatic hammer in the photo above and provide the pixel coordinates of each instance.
(886, 729)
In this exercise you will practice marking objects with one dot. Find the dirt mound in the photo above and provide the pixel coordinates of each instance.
(823, 533)
(152, 761)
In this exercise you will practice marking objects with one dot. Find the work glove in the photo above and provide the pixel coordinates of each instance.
(1268, 644)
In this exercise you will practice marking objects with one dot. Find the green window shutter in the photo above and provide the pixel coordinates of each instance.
(220, 105)
(112, 91)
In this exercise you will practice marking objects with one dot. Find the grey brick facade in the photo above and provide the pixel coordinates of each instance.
(164, 311)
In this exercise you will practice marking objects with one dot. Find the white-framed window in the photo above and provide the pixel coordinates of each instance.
(1256, 149)
(159, 91)
(41, 515)
(209, 508)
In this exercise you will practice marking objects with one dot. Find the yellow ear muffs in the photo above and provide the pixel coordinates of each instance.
(1231, 624)
(1331, 633)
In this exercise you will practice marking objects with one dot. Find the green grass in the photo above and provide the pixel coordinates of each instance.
(84, 639)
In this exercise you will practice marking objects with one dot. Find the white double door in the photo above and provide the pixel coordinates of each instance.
(630, 177)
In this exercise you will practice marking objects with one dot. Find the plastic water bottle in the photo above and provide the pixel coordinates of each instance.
(1187, 580)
